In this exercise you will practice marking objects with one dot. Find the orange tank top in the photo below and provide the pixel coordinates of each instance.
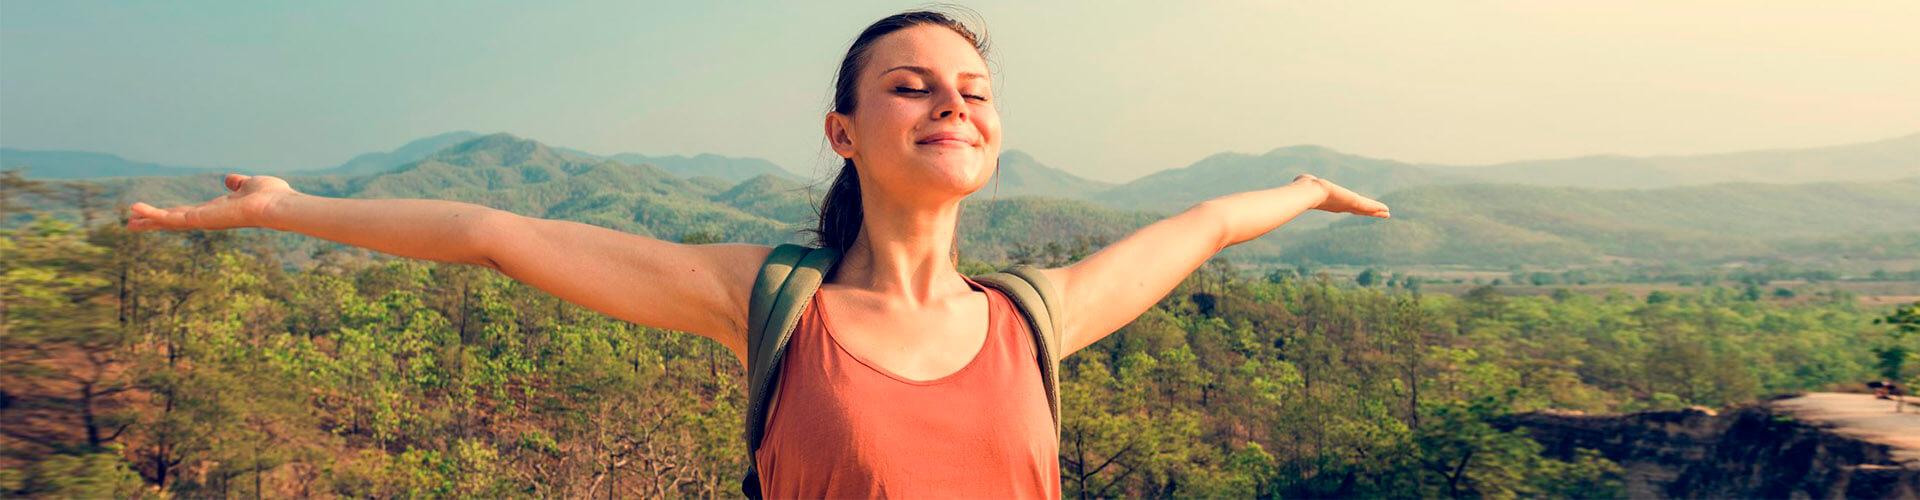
(844, 427)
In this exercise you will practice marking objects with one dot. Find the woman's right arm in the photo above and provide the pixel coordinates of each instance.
(701, 289)
(437, 230)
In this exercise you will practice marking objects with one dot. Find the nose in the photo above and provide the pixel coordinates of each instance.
(951, 103)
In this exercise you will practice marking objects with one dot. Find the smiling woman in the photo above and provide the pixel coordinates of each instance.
(925, 381)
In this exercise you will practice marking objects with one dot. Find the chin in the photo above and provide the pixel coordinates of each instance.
(959, 173)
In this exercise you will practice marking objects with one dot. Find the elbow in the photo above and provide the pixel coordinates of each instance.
(1216, 220)
(483, 237)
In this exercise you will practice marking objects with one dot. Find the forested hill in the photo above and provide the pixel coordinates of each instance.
(86, 165)
(1489, 224)
(1888, 159)
(1437, 219)
(1175, 188)
(721, 167)
(530, 178)
(381, 161)
(1227, 173)
(1022, 175)
(91, 165)
(1172, 189)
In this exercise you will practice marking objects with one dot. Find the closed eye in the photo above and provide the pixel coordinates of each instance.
(924, 91)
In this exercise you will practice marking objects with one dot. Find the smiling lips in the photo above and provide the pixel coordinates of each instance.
(945, 139)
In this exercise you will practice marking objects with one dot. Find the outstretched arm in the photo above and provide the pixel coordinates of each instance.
(1110, 288)
(700, 289)
(422, 229)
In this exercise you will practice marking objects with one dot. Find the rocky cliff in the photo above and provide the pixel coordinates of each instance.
(1821, 445)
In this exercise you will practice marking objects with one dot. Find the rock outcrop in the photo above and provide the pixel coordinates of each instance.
(1821, 445)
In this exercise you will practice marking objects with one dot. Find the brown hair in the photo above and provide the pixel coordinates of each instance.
(840, 213)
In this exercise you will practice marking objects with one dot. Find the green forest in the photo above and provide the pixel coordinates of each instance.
(200, 364)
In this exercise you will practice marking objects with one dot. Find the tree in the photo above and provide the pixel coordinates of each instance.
(15, 190)
(65, 359)
(1898, 352)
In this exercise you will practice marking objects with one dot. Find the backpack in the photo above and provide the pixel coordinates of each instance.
(787, 282)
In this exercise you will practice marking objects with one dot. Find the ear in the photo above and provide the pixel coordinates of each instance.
(840, 134)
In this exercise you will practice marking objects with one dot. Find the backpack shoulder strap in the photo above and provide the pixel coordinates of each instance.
(1040, 302)
(787, 281)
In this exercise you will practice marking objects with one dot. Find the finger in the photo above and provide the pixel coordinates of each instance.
(165, 218)
(144, 210)
(178, 218)
(156, 216)
(234, 181)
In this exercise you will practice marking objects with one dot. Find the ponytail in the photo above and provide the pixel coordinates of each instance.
(840, 213)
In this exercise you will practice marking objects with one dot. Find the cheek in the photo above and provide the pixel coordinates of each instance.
(890, 120)
(989, 125)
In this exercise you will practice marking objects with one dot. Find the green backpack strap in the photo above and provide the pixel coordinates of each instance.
(787, 281)
(1040, 303)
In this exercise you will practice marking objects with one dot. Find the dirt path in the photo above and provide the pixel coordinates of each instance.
(1862, 416)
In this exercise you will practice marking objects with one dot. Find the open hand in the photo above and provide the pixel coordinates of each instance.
(250, 197)
(1343, 200)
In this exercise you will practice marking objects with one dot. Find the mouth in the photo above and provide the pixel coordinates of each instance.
(945, 139)
(946, 143)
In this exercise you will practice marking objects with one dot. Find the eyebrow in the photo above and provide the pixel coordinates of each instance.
(927, 72)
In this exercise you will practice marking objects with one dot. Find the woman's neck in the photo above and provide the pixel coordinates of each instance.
(904, 252)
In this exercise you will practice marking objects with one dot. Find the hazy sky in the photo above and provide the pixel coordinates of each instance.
(1108, 90)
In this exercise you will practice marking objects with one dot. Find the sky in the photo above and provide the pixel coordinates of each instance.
(1107, 90)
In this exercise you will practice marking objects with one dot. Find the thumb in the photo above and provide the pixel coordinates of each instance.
(234, 181)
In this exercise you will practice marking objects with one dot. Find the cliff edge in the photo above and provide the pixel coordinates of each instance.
(1818, 445)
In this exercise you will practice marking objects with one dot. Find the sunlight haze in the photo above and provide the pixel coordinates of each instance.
(1107, 91)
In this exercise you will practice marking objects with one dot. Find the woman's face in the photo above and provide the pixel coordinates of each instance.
(924, 128)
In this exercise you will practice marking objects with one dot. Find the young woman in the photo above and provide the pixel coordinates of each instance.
(912, 379)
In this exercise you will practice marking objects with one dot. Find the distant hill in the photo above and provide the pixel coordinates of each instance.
(418, 149)
(85, 165)
(1021, 175)
(1228, 173)
(1224, 173)
(774, 197)
(1170, 191)
(728, 168)
(994, 230)
(90, 165)
(1437, 219)
(514, 174)
(1889, 159)
(1499, 225)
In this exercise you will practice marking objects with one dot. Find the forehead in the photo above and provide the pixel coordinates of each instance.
(934, 47)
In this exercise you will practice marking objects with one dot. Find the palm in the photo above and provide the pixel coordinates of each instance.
(1343, 200)
(249, 196)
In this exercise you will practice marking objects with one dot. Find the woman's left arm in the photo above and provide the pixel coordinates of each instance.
(1110, 288)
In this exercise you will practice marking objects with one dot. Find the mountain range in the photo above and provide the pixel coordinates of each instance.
(1441, 215)
(87, 165)
(1172, 189)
